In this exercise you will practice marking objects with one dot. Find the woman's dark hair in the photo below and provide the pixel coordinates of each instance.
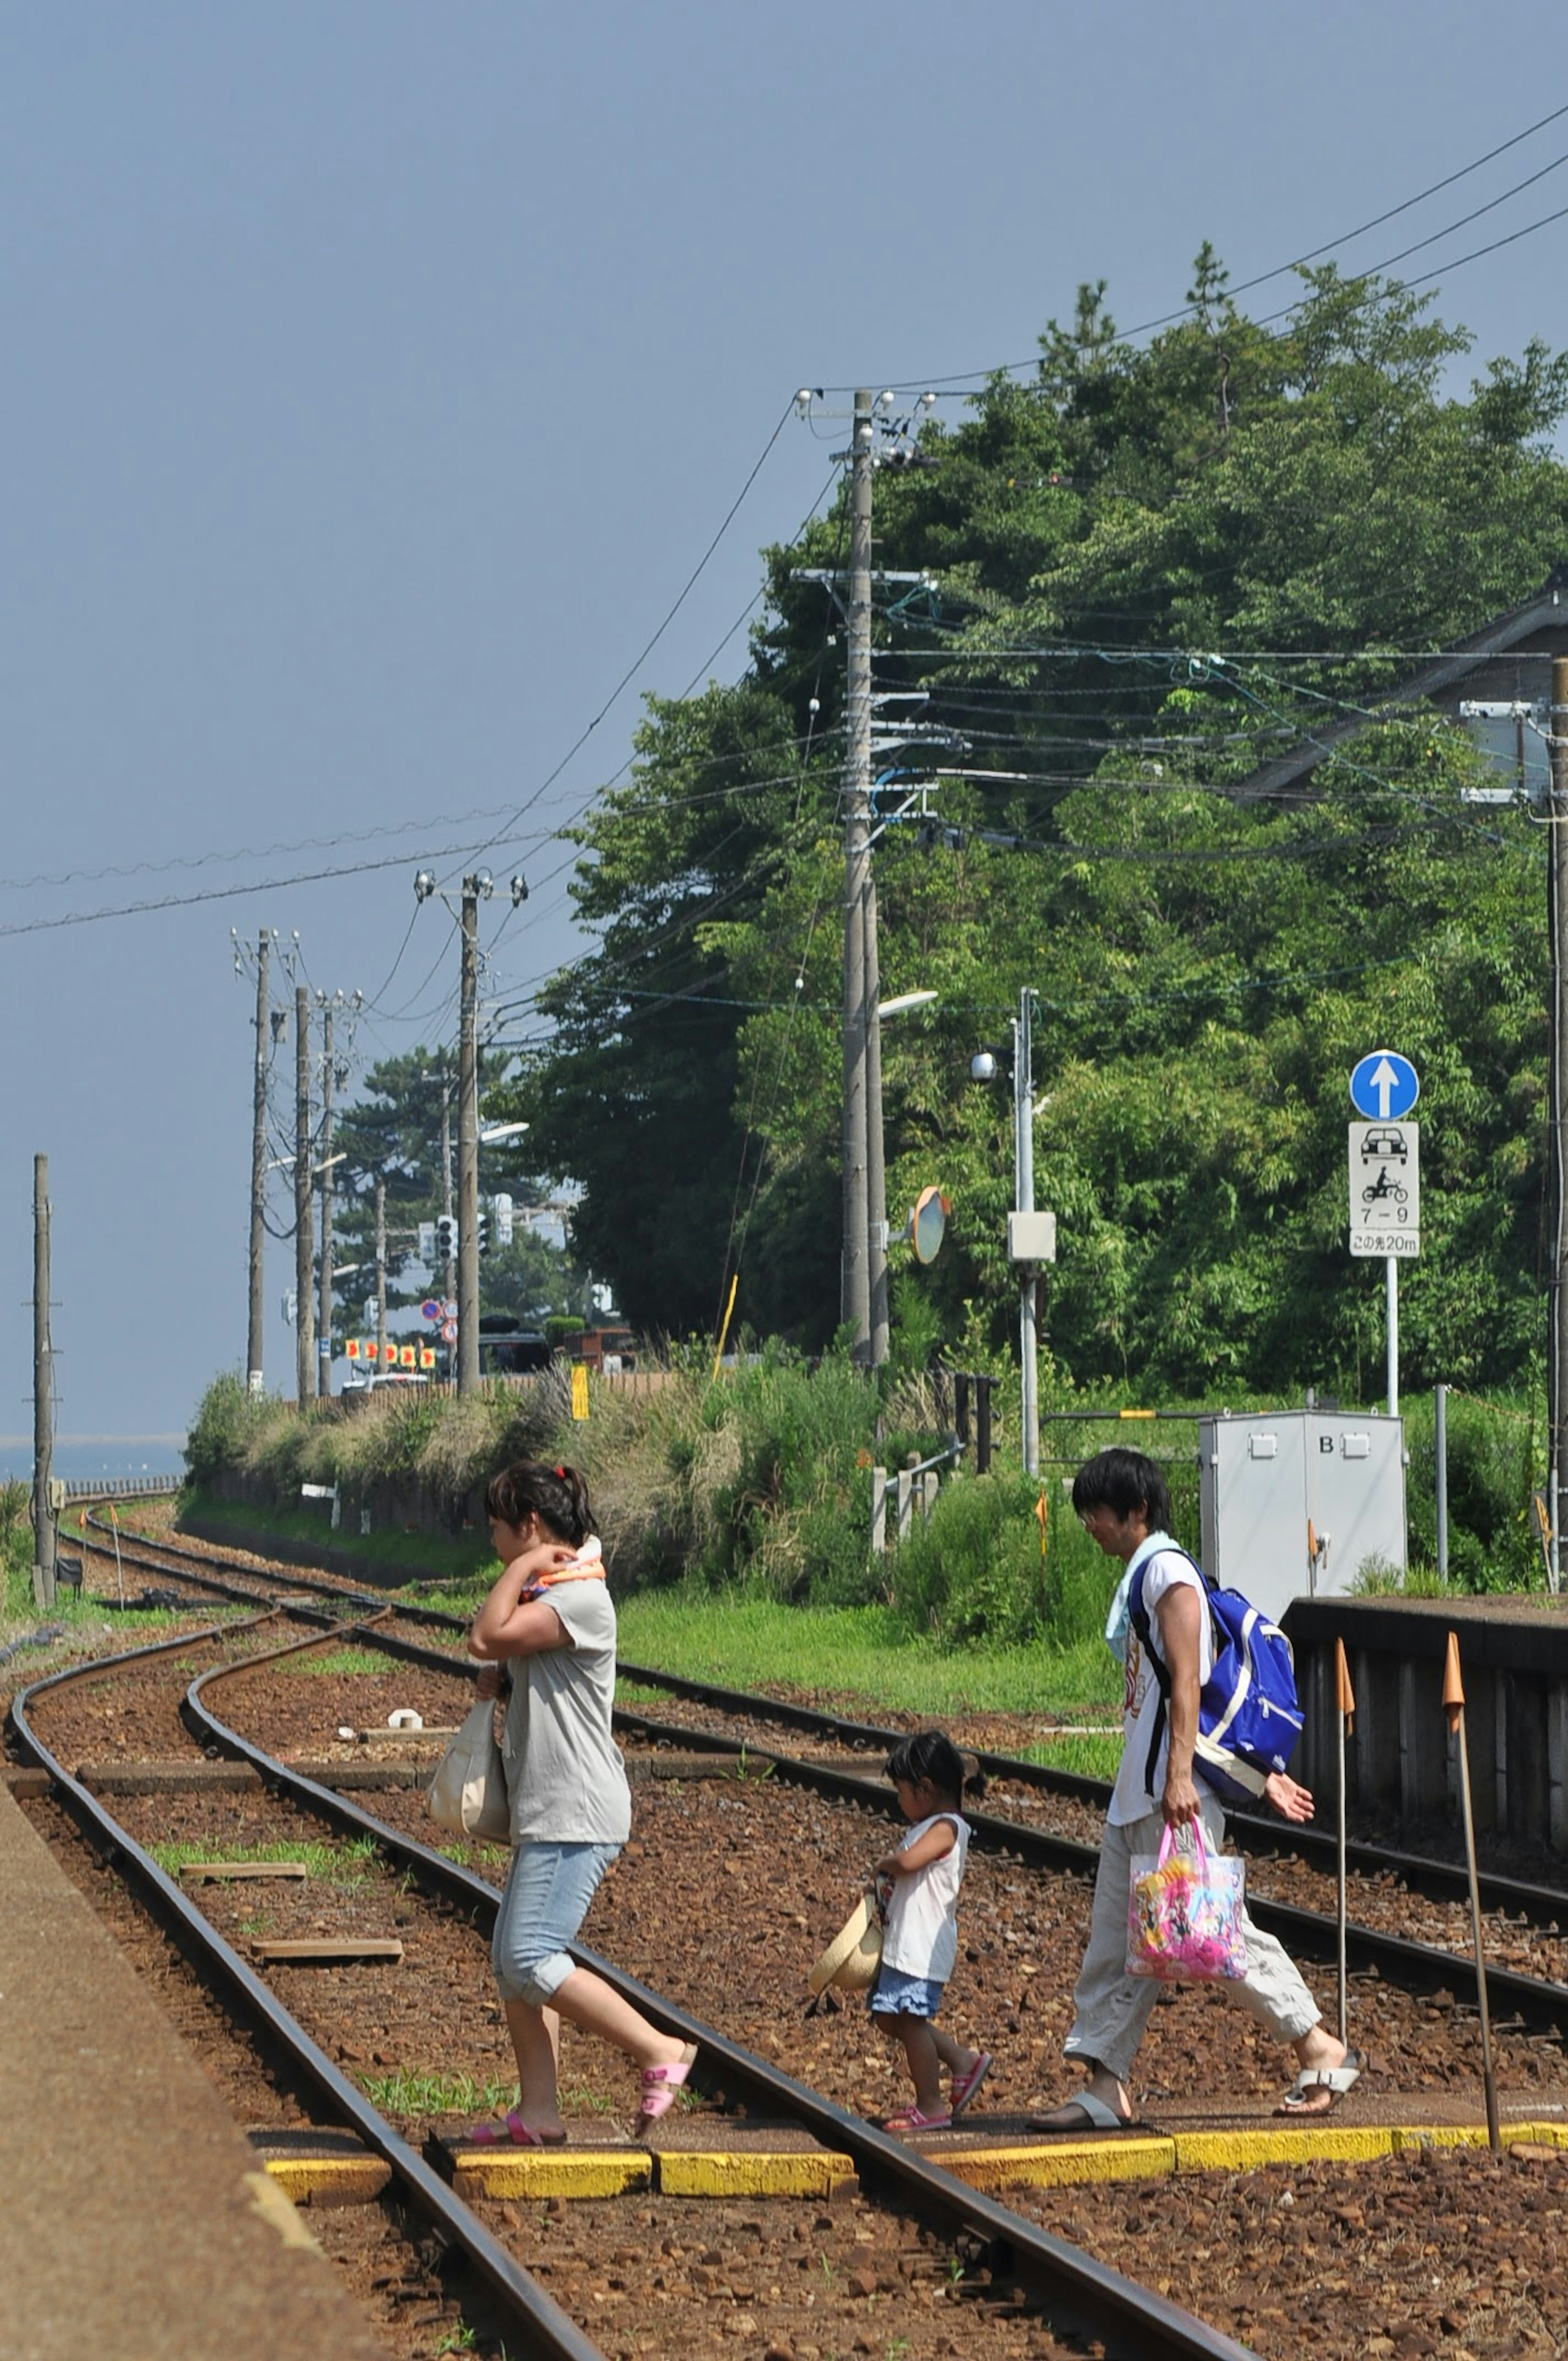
(1125, 1482)
(556, 1496)
(931, 1754)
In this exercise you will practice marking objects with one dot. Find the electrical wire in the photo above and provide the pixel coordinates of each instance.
(1313, 254)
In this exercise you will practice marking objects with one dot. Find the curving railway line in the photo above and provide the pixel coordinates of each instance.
(819, 1774)
(1074, 2304)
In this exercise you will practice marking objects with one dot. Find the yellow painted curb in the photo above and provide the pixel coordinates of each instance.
(550, 2171)
(799, 2172)
(329, 2180)
(1065, 2163)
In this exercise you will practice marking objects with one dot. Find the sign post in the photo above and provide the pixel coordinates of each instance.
(1384, 1179)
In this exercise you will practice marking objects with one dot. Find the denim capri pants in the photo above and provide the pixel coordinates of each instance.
(548, 1889)
(897, 1995)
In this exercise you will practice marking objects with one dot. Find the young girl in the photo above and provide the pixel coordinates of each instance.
(550, 1615)
(921, 1881)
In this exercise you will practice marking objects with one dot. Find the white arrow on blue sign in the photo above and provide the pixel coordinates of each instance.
(1384, 1085)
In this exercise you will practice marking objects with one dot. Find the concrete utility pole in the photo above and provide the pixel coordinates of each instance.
(43, 1396)
(468, 1141)
(256, 1344)
(323, 1324)
(382, 1271)
(449, 1269)
(304, 1244)
(1557, 1319)
(855, 1303)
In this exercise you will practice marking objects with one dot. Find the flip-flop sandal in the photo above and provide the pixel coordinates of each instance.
(1335, 2079)
(966, 2085)
(1093, 2114)
(910, 2119)
(659, 2083)
(513, 2133)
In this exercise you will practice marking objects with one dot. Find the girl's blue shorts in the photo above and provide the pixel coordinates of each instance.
(896, 1994)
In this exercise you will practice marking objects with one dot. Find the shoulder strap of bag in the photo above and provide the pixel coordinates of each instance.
(1142, 1623)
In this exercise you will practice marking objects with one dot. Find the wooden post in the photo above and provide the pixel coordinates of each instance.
(1453, 1707)
(1346, 1701)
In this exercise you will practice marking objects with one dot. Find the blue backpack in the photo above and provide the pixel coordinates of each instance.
(1249, 1716)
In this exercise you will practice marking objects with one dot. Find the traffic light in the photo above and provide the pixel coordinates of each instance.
(482, 1221)
(446, 1238)
(503, 1206)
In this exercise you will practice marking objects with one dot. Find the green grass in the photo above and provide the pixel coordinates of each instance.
(346, 1866)
(436, 2094)
(401, 1556)
(336, 1661)
(860, 1654)
(1092, 1758)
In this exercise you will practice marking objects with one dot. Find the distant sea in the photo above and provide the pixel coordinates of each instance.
(92, 1456)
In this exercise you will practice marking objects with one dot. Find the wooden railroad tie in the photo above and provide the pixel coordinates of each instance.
(327, 1951)
(223, 1872)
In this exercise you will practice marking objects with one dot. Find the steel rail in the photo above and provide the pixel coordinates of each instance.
(1136, 2323)
(1440, 1880)
(1420, 1967)
(1423, 1967)
(531, 2311)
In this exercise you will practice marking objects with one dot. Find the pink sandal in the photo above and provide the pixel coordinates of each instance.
(964, 2086)
(910, 2119)
(660, 2084)
(513, 2133)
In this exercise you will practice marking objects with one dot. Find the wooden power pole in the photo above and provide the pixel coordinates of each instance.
(43, 1396)
(256, 1344)
(1557, 875)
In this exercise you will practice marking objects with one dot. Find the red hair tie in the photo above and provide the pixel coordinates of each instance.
(562, 1473)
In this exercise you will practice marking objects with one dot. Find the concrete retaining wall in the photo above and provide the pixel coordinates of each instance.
(1400, 1760)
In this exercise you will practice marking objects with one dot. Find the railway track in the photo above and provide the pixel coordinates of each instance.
(1052, 1819)
(1068, 2295)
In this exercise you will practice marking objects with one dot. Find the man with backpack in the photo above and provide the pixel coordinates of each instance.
(1163, 1618)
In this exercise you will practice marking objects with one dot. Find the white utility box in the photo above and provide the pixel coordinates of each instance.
(1031, 1237)
(1295, 1503)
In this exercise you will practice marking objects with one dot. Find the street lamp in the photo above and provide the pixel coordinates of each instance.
(1031, 1237)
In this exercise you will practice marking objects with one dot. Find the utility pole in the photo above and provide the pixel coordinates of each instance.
(256, 1344)
(382, 1272)
(43, 1396)
(468, 1140)
(855, 1305)
(1024, 1174)
(304, 1245)
(1557, 1317)
(323, 1324)
(449, 1268)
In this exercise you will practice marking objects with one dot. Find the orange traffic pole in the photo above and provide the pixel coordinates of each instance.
(1453, 1707)
(1346, 1703)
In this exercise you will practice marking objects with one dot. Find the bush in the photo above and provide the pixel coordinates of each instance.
(973, 1569)
(1495, 1458)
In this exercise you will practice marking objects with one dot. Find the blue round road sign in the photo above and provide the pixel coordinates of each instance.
(430, 1308)
(1384, 1084)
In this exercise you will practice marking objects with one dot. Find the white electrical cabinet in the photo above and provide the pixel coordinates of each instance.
(1297, 1503)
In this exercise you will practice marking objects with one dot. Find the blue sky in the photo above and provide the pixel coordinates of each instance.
(376, 376)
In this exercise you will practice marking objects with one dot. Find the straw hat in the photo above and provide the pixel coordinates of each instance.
(852, 1957)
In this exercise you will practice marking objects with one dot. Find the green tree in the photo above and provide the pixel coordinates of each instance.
(1150, 570)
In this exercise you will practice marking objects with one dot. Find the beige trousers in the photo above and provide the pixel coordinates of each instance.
(1111, 2009)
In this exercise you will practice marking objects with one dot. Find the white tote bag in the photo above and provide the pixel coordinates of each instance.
(468, 1793)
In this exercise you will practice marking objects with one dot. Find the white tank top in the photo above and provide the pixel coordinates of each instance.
(922, 1936)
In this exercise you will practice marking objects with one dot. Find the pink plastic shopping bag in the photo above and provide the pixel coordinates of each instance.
(1184, 1913)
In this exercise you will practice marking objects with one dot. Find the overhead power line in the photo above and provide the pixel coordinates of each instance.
(1298, 261)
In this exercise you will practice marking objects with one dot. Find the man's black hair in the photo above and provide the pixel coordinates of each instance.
(1125, 1483)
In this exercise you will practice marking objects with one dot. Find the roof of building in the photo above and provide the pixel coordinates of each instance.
(1546, 609)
